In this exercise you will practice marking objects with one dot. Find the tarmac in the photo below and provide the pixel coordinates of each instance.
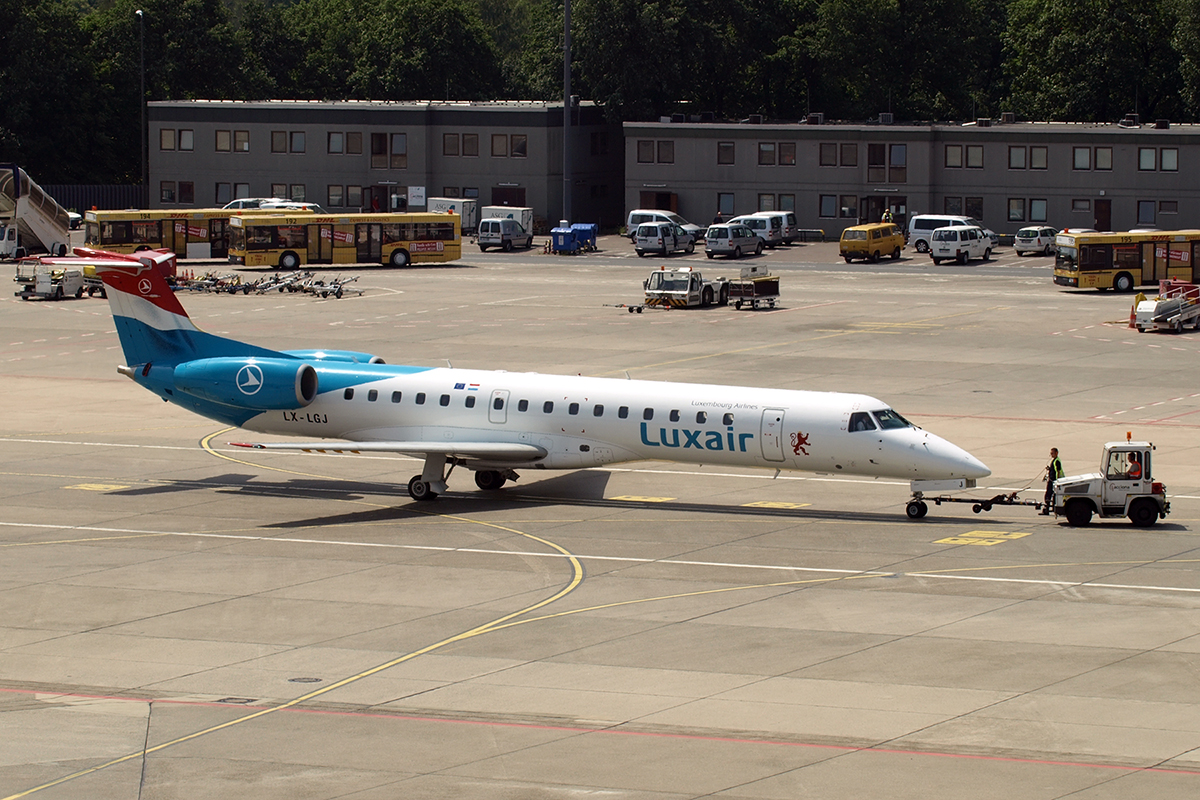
(184, 619)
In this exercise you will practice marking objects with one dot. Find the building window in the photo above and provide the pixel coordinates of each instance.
(1104, 158)
(470, 145)
(1169, 160)
(520, 145)
(1016, 158)
(449, 191)
(898, 163)
(953, 206)
(666, 152)
(645, 151)
(725, 203)
(279, 190)
(336, 143)
(166, 139)
(379, 151)
(1037, 157)
(599, 190)
(828, 154)
(1082, 158)
(187, 140)
(450, 144)
(224, 142)
(296, 142)
(1147, 158)
(166, 191)
(187, 192)
(278, 141)
(1016, 209)
(353, 143)
(353, 197)
(849, 206)
(849, 155)
(787, 202)
(876, 163)
(222, 193)
(725, 152)
(1145, 212)
(599, 143)
(787, 154)
(336, 197)
(766, 154)
(828, 206)
(974, 156)
(241, 190)
(766, 202)
(1081, 205)
(1037, 210)
(1164, 206)
(399, 151)
(974, 207)
(954, 156)
(296, 192)
(471, 191)
(241, 141)
(499, 145)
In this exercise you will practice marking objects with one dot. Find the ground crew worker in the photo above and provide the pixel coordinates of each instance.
(1054, 471)
(887, 215)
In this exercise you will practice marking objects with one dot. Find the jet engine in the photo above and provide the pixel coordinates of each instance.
(260, 383)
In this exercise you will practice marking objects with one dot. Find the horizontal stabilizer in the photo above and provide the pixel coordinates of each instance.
(492, 451)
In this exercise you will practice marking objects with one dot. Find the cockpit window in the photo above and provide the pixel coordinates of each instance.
(889, 420)
(861, 421)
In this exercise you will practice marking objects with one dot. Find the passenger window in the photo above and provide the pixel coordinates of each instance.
(548, 407)
(727, 419)
(395, 397)
(701, 417)
(623, 412)
(647, 413)
(573, 409)
(445, 400)
(598, 411)
(372, 395)
(861, 421)
(674, 415)
(420, 398)
(523, 405)
(470, 401)
(348, 394)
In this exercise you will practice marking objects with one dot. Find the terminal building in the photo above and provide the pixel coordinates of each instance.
(1006, 174)
(367, 155)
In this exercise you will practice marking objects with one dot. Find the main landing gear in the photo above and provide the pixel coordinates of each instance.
(432, 481)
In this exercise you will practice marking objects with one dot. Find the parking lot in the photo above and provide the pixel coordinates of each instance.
(183, 619)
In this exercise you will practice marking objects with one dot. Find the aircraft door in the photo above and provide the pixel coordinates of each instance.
(772, 434)
(498, 407)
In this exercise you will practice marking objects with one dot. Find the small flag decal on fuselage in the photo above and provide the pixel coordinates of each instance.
(473, 387)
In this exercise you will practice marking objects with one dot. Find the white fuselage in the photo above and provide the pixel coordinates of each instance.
(581, 422)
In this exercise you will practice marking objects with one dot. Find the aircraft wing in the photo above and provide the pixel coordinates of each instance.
(491, 451)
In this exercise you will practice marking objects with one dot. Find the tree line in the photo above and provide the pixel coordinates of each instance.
(70, 70)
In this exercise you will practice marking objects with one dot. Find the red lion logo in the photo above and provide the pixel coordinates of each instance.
(799, 442)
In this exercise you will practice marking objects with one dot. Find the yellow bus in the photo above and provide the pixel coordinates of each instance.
(391, 239)
(1123, 261)
(191, 233)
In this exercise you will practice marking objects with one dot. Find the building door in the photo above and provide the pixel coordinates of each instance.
(508, 196)
(1103, 214)
(664, 201)
(368, 239)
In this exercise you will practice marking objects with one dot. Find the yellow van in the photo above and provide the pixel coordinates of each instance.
(870, 242)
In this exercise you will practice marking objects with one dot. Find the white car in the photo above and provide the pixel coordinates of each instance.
(1038, 239)
(640, 216)
(960, 244)
(662, 237)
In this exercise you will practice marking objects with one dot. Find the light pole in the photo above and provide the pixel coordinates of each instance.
(566, 110)
(142, 100)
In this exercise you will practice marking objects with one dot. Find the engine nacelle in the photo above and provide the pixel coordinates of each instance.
(336, 355)
(261, 383)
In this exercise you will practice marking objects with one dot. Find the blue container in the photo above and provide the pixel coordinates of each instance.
(585, 234)
(562, 240)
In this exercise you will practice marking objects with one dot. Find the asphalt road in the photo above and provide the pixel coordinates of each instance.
(180, 620)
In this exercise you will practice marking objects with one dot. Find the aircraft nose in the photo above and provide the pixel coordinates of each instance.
(951, 461)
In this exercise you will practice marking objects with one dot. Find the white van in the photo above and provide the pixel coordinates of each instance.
(640, 216)
(787, 220)
(959, 243)
(921, 226)
(768, 227)
(662, 237)
(503, 233)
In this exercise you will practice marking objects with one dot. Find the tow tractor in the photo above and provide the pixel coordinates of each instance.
(1176, 307)
(684, 287)
(1124, 487)
(47, 281)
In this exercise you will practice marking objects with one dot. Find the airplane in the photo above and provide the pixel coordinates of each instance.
(495, 422)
